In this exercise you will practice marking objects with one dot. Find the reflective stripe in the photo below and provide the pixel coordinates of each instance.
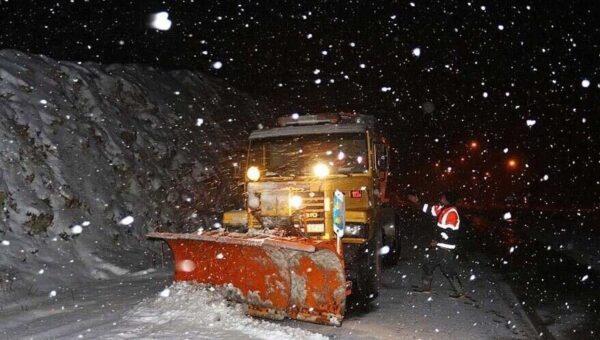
(447, 226)
(446, 246)
(444, 235)
(425, 208)
(434, 210)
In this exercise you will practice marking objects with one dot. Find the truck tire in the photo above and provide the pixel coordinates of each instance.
(393, 256)
(368, 275)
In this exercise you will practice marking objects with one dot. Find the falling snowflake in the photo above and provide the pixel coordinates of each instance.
(585, 277)
(472, 278)
(43, 102)
(5, 242)
(220, 256)
(126, 221)
(52, 294)
(76, 229)
(186, 266)
(530, 122)
(160, 21)
(416, 52)
(384, 250)
(507, 216)
(199, 122)
(217, 65)
(585, 83)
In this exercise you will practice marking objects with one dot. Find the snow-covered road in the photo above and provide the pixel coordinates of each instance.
(143, 306)
(490, 312)
(138, 306)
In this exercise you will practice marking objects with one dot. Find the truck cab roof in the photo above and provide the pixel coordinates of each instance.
(345, 123)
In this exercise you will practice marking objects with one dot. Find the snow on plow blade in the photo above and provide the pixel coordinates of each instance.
(277, 277)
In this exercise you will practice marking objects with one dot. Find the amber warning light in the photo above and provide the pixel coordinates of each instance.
(356, 194)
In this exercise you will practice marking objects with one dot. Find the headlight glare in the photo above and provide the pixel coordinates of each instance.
(296, 202)
(321, 170)
(253, 173)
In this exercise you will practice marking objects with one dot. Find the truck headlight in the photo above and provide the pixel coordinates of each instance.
(253, 173)
(295, 202)
(355, 230)
(321, 170)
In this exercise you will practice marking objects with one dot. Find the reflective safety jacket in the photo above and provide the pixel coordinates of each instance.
(447, 222)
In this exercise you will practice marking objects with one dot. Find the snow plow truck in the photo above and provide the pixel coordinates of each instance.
(315, 226)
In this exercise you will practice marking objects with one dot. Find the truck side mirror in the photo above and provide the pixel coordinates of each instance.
(382, 156)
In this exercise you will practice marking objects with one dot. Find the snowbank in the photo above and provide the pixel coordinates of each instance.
(92, 157)
(195, 312)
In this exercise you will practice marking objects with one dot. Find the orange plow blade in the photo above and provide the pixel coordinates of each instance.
(277, 277)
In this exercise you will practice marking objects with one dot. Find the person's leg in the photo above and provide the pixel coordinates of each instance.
(449, 267)
(429, 265)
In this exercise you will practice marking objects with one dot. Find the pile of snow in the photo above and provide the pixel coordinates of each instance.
(195, 312)
(92, 157)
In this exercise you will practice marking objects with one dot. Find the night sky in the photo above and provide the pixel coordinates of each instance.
(519, 78)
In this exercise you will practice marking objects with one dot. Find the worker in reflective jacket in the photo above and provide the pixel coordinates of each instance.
(442, 251)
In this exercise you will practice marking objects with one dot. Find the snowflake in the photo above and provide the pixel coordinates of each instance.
(585, 83)
(126, 221)
(160, 21)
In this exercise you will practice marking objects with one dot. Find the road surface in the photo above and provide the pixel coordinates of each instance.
(138, 306)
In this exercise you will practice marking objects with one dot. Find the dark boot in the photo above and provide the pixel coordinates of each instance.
(457, 286)
(425, 287)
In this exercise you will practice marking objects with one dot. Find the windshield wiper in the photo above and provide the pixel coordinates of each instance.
(276, 174)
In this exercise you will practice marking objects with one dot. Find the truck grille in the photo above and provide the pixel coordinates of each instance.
(314, 207)
(313, 210)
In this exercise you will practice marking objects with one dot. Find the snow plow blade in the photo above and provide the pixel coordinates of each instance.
(276, 277)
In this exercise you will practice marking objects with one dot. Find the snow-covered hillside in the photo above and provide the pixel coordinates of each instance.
(92, 157)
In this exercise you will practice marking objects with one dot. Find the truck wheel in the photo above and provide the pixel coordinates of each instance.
(393, 256)
(366, 287)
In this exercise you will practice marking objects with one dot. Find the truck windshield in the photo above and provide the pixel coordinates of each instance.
(296, 155)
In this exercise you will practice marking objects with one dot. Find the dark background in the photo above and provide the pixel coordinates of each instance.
(531, 69)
